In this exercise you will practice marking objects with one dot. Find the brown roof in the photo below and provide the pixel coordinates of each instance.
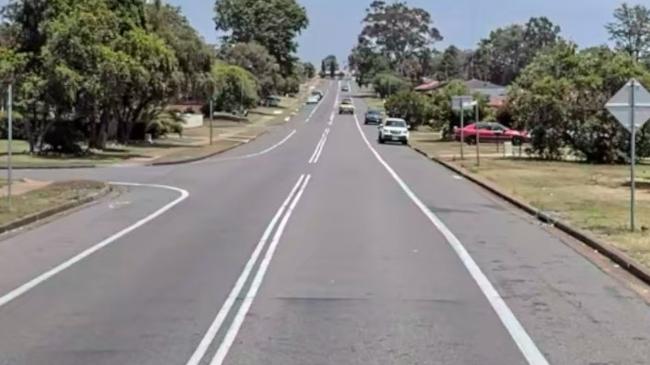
(431, 85)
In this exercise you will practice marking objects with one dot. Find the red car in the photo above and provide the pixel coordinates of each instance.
(492, 132)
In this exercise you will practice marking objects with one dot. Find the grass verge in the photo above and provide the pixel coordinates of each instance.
(591, 197)
(50, 197)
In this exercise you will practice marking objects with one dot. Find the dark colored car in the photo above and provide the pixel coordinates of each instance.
(373, 117)
(491, 132)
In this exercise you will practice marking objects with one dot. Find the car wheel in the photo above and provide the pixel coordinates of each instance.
(405, 142)
(380, 140)
(516, 141)
(470, 140)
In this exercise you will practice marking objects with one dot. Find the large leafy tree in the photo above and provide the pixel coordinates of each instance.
(501, 57)
(331, 65)
(556, 95)
(235, 88)
(398, 31)
(366, 62)
(274, 24)
(451, 64)
(256, 59)
(631, 30)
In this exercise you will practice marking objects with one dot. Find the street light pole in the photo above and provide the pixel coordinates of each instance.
(478, 137)
(211, 119)
(633, 157)
(462, 129)
(9, 140)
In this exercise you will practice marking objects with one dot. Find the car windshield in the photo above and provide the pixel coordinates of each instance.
(328, 182)
(396, 123)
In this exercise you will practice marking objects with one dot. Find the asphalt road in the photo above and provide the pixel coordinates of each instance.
(310, 245)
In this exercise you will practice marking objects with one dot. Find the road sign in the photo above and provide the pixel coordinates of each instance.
(631, 107)
(463, 102)
(633, 100)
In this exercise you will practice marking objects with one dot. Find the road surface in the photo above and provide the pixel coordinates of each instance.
(310, 245)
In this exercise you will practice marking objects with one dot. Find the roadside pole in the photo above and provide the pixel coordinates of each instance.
(211, 119)
(632, 158)
(478, 138)
(9, 140)
(631, 107)
(462, 129)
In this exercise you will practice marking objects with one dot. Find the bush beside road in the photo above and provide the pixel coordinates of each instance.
(591, 197)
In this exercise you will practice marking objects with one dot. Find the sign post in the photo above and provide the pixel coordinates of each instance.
(211, 120)
(478, 137)
(9, 140)
(631, 107)
(460, 104)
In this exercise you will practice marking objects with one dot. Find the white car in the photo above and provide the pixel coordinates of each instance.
(313, 99)
(394, 129)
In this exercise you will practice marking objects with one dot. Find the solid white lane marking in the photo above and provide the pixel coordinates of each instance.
(17, 292)
(241, 281)
(322, 146)
(457, 177)
(237, 322)
(251, 155)
(525, 344)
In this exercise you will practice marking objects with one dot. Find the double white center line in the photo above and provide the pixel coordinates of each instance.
(282, 216)
(319, 147)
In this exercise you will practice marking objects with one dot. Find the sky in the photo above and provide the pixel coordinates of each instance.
(335, 24)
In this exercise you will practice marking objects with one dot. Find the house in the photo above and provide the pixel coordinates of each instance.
(496, 93)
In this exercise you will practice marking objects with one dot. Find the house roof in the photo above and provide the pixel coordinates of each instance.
(431, 85)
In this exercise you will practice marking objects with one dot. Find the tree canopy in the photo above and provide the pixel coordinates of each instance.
(631, 30)
(272, 23)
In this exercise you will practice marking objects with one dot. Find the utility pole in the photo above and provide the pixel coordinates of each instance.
(478, 137)
(9, 140)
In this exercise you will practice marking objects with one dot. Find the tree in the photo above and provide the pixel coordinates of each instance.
(631, 30)
(413, 107)
(387, 84)
(310, 70)
(272, 23)
(398, 31)
(367, 63)
(558, 98)
(256, 59)
(235, 88)
(501, 57)
(451, 64)
(331, 65)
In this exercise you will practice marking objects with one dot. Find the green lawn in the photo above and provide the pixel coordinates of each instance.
(193, 143)
(45, 198)
(592, 197)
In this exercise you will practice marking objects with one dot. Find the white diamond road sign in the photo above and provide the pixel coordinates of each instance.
(621, 105)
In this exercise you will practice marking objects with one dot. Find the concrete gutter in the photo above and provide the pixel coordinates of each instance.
(33, 218)
(605, 249)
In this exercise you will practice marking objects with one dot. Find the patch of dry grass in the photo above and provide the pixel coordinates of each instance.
(592, 197)
(49, 197)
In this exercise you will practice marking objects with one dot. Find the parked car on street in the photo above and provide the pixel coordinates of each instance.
(346, 106)
(373, 116)
(313, 99)
(345, 88)
(394, 129)
(318, 94)
(491, 132)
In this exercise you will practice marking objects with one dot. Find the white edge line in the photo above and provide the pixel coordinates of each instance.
(237, 322)
(236, 290)
(251, 155)
(521, 338)
(17, 292)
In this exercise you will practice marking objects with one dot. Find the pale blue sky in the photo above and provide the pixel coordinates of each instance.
(335, 24)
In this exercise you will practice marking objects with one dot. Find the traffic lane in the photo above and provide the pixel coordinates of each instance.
(361, 276)
(575, 312)
(25, 254)
(149, 298)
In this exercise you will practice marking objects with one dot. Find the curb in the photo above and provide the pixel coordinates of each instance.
(42, 167)
(204, 157)
(32, 218)
(605, 249)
